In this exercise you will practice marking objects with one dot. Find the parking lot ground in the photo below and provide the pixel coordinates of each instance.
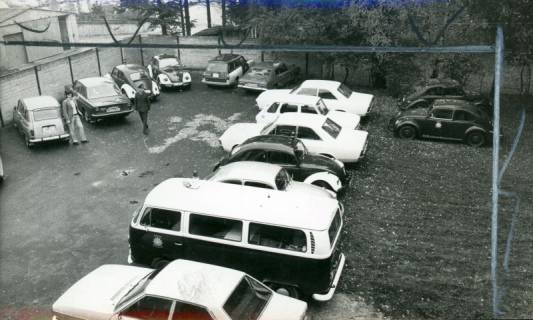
(417, 223)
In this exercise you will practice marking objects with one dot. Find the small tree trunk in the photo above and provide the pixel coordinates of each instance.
(223, 4)
(187, 17)
(182, 19)
(164, 29)
(346, 74)
(208, 8)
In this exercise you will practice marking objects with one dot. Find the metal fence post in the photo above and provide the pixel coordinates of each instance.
(98, 61)
(498, 69)
(306, 65)
(70, 68)
(178, 47)
(121, 55)
(141, 50)
(36, 70)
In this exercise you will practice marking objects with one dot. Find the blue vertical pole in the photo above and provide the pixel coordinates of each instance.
(498, 69)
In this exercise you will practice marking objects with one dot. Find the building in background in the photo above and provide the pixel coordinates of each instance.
(34, 24)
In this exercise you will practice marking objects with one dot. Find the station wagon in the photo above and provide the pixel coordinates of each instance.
(225, 70)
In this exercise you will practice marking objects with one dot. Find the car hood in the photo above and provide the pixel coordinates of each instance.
(309, 190)
(345, 119)
(283, 308)
(268, 97)
(173, 73)
(95, 295)
(361, 101)
(105, 101)
(254, 77)
(353, 139)
(237, 133)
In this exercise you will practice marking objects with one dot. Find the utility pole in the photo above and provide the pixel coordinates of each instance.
(208, 7)
(182, 19)
(187, 17)
(223, 4)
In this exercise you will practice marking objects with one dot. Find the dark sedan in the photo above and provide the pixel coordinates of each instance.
(269, 75)
(423, 95)
(99, 97)
(445, 119)
(132, 77)
(291, 154)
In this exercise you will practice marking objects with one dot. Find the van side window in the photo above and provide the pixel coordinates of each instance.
(162, 219)
(334, 228)
(220, 228)
(277, 237)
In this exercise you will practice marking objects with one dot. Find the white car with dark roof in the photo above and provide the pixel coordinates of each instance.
(266, 176)
(181, 290)
(287, 103)
(320, 134)
(336, 95)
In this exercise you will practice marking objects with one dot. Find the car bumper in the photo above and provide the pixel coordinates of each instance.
(225, 83)
(252, 87)
(327, 296)
(175, 85)
(52, 138)
(111, 114)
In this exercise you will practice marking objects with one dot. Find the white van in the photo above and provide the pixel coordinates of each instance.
(287, 241)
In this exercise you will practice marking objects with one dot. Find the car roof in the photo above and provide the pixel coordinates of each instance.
(272, 142)
(225, 57)
(326, 84)
(248, 170)
(456, 104)
(297, 99)
(93, 81)
(198, 283)
(299, 211)
(39, 102)
(301, 119)
(130, 67)
(165, 56)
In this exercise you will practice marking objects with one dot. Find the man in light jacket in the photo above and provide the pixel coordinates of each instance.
(72, 117)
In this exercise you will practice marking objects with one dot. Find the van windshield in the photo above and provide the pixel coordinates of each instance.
(248, 299)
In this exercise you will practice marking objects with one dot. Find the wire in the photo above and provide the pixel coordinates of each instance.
(31, 29)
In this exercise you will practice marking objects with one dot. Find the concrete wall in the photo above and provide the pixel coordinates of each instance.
(90, 29)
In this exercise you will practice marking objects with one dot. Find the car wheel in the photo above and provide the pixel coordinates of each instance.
(407, 132)
(475, 138)
(27, 141)
(86, 117)
(323, 184)
(419, 105)
(286, 290)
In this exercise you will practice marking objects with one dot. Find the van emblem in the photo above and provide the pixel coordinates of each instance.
(158, 242)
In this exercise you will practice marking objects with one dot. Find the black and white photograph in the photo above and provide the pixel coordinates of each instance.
(266, 159)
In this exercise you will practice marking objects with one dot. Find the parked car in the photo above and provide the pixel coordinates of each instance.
(291, 154)
(305, 105)
(445, 119)
(182, 290)
(267, 176)
(336, 95)
(39, 119)
(225, 70)
(269, 75)
(99, 98)
(168, 72)
(284, 240)
(423, 95)
(131, 77)
(320, 134)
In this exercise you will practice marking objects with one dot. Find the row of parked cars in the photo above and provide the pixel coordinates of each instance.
(272, 213)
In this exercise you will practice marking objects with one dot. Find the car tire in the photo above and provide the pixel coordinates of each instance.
(475, 138)
(420, 105)
(407, 131)
(286, 290)
(86, 117)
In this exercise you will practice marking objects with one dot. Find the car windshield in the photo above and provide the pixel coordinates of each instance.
(106, 89)
(46, 114)
(332, 128)
(260, 71)
(136, 290)
(248, 299)
(283, 179)
(169, 62)
(217, 67)
(322, 108)
(344, 90)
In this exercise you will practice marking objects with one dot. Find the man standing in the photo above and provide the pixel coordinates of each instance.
(142, 105)
(72, 117)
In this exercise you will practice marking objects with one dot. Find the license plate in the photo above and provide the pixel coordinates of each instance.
(215, 75)
(49, 130)
(113, 109)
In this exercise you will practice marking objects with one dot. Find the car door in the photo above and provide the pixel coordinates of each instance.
(312, 140)
(17, 111)
(462, 120)
(439, 122)
(148, 308)
(288, 161)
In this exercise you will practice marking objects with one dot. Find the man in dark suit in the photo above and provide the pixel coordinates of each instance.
(142, 105)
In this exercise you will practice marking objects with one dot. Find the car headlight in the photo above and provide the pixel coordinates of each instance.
(164, 78)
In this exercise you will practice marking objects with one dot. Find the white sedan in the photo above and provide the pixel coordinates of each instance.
(267, 176)
(336, 95)
(305, 104)
(182, 290)
(320, 134)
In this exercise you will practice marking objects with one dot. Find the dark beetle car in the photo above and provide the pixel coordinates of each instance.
(425, 93)
(168, 72)
(291, 154)
(131, 77)
(269, 75)
(99, 97)
(445, 119)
